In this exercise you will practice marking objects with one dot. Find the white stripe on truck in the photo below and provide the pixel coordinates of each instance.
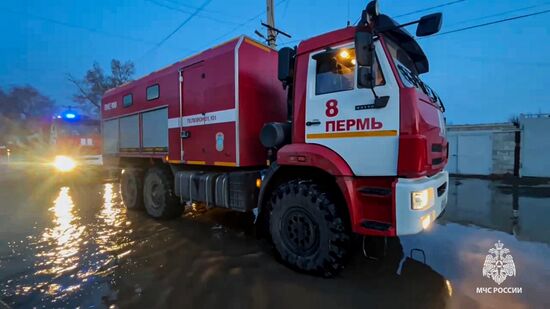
(222, 116)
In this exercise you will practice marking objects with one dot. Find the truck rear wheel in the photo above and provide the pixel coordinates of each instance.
(158, 194)
(307, 228)
(131, 188)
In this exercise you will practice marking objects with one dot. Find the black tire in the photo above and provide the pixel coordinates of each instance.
(159, 197)
(308, 230)
(131, 188)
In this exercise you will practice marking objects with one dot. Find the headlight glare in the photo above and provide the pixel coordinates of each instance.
(64, 163)
(422, 199)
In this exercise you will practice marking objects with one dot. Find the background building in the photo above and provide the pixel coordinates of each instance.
(520, 149)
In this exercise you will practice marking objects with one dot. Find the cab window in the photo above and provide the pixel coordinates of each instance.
(337, 73)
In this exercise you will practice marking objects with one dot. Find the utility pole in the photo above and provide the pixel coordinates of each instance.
(271, 33)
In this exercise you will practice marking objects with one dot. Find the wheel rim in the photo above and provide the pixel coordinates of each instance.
(300, 231)
(156, 195)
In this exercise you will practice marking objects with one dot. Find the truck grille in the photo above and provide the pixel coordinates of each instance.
(437, 148)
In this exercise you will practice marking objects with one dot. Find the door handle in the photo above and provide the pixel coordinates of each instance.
(315, 122)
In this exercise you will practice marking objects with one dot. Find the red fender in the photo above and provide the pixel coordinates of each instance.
(360, 207)
(313, 155)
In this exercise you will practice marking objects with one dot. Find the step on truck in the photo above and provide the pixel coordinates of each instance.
(334, 137)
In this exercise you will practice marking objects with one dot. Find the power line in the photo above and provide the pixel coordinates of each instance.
(478, 25)
(430, 8)
(246, 22)
(508, 61)
(180, 4)
(422, 10)
(491, 23)
(406, 14)
(498, 14)
(291, 42)
(176, 9)
(69, 25)
(285, 9)
(188, 19)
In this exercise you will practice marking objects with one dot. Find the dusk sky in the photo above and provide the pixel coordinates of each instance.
(483, 75)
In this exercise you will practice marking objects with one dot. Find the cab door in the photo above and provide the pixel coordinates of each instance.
(342, 117)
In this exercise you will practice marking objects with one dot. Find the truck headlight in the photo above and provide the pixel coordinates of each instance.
(64, 163)
(422, 199)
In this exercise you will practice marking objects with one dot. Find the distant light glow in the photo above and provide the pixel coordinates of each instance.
(64, 163)
(70, 115)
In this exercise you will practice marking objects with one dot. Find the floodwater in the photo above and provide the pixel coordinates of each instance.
(69, 245)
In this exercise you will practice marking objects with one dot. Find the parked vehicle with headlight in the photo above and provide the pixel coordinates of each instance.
(75, 143)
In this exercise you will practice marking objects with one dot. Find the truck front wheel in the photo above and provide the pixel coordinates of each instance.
(131, 188)
(308, 229)
(158, 194)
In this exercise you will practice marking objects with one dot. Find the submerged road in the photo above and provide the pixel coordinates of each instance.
(69, 245)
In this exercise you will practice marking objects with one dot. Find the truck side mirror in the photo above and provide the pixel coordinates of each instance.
(365, 77)
(429, 24)
(364, 55)
(364, 48)
(286, 65)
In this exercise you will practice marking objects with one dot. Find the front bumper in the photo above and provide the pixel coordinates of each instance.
(409, 221)
(94, 160)
(82, 164)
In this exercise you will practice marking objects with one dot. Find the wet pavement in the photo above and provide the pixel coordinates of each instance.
(68, 245)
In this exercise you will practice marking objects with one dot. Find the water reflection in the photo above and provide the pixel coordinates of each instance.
(77, 255)
(518, 210)
(63, 241)
(57, 249)
(76, 252)
(113, 225)
(480, 213)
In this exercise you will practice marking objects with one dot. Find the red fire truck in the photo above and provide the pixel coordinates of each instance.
(338, 135)
(74, 142)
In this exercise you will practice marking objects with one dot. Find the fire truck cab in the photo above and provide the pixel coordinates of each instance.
(353, 142)
(75, 142)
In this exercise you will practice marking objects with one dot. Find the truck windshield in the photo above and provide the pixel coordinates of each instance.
(408, 72)
(77, 129)
(400, 56)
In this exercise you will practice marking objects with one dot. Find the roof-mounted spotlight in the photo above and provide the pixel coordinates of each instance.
(427, 25)
(372, 10)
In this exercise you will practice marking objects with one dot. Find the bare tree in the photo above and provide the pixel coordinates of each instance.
(92, 86)
(23, 102)
(20, 107)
